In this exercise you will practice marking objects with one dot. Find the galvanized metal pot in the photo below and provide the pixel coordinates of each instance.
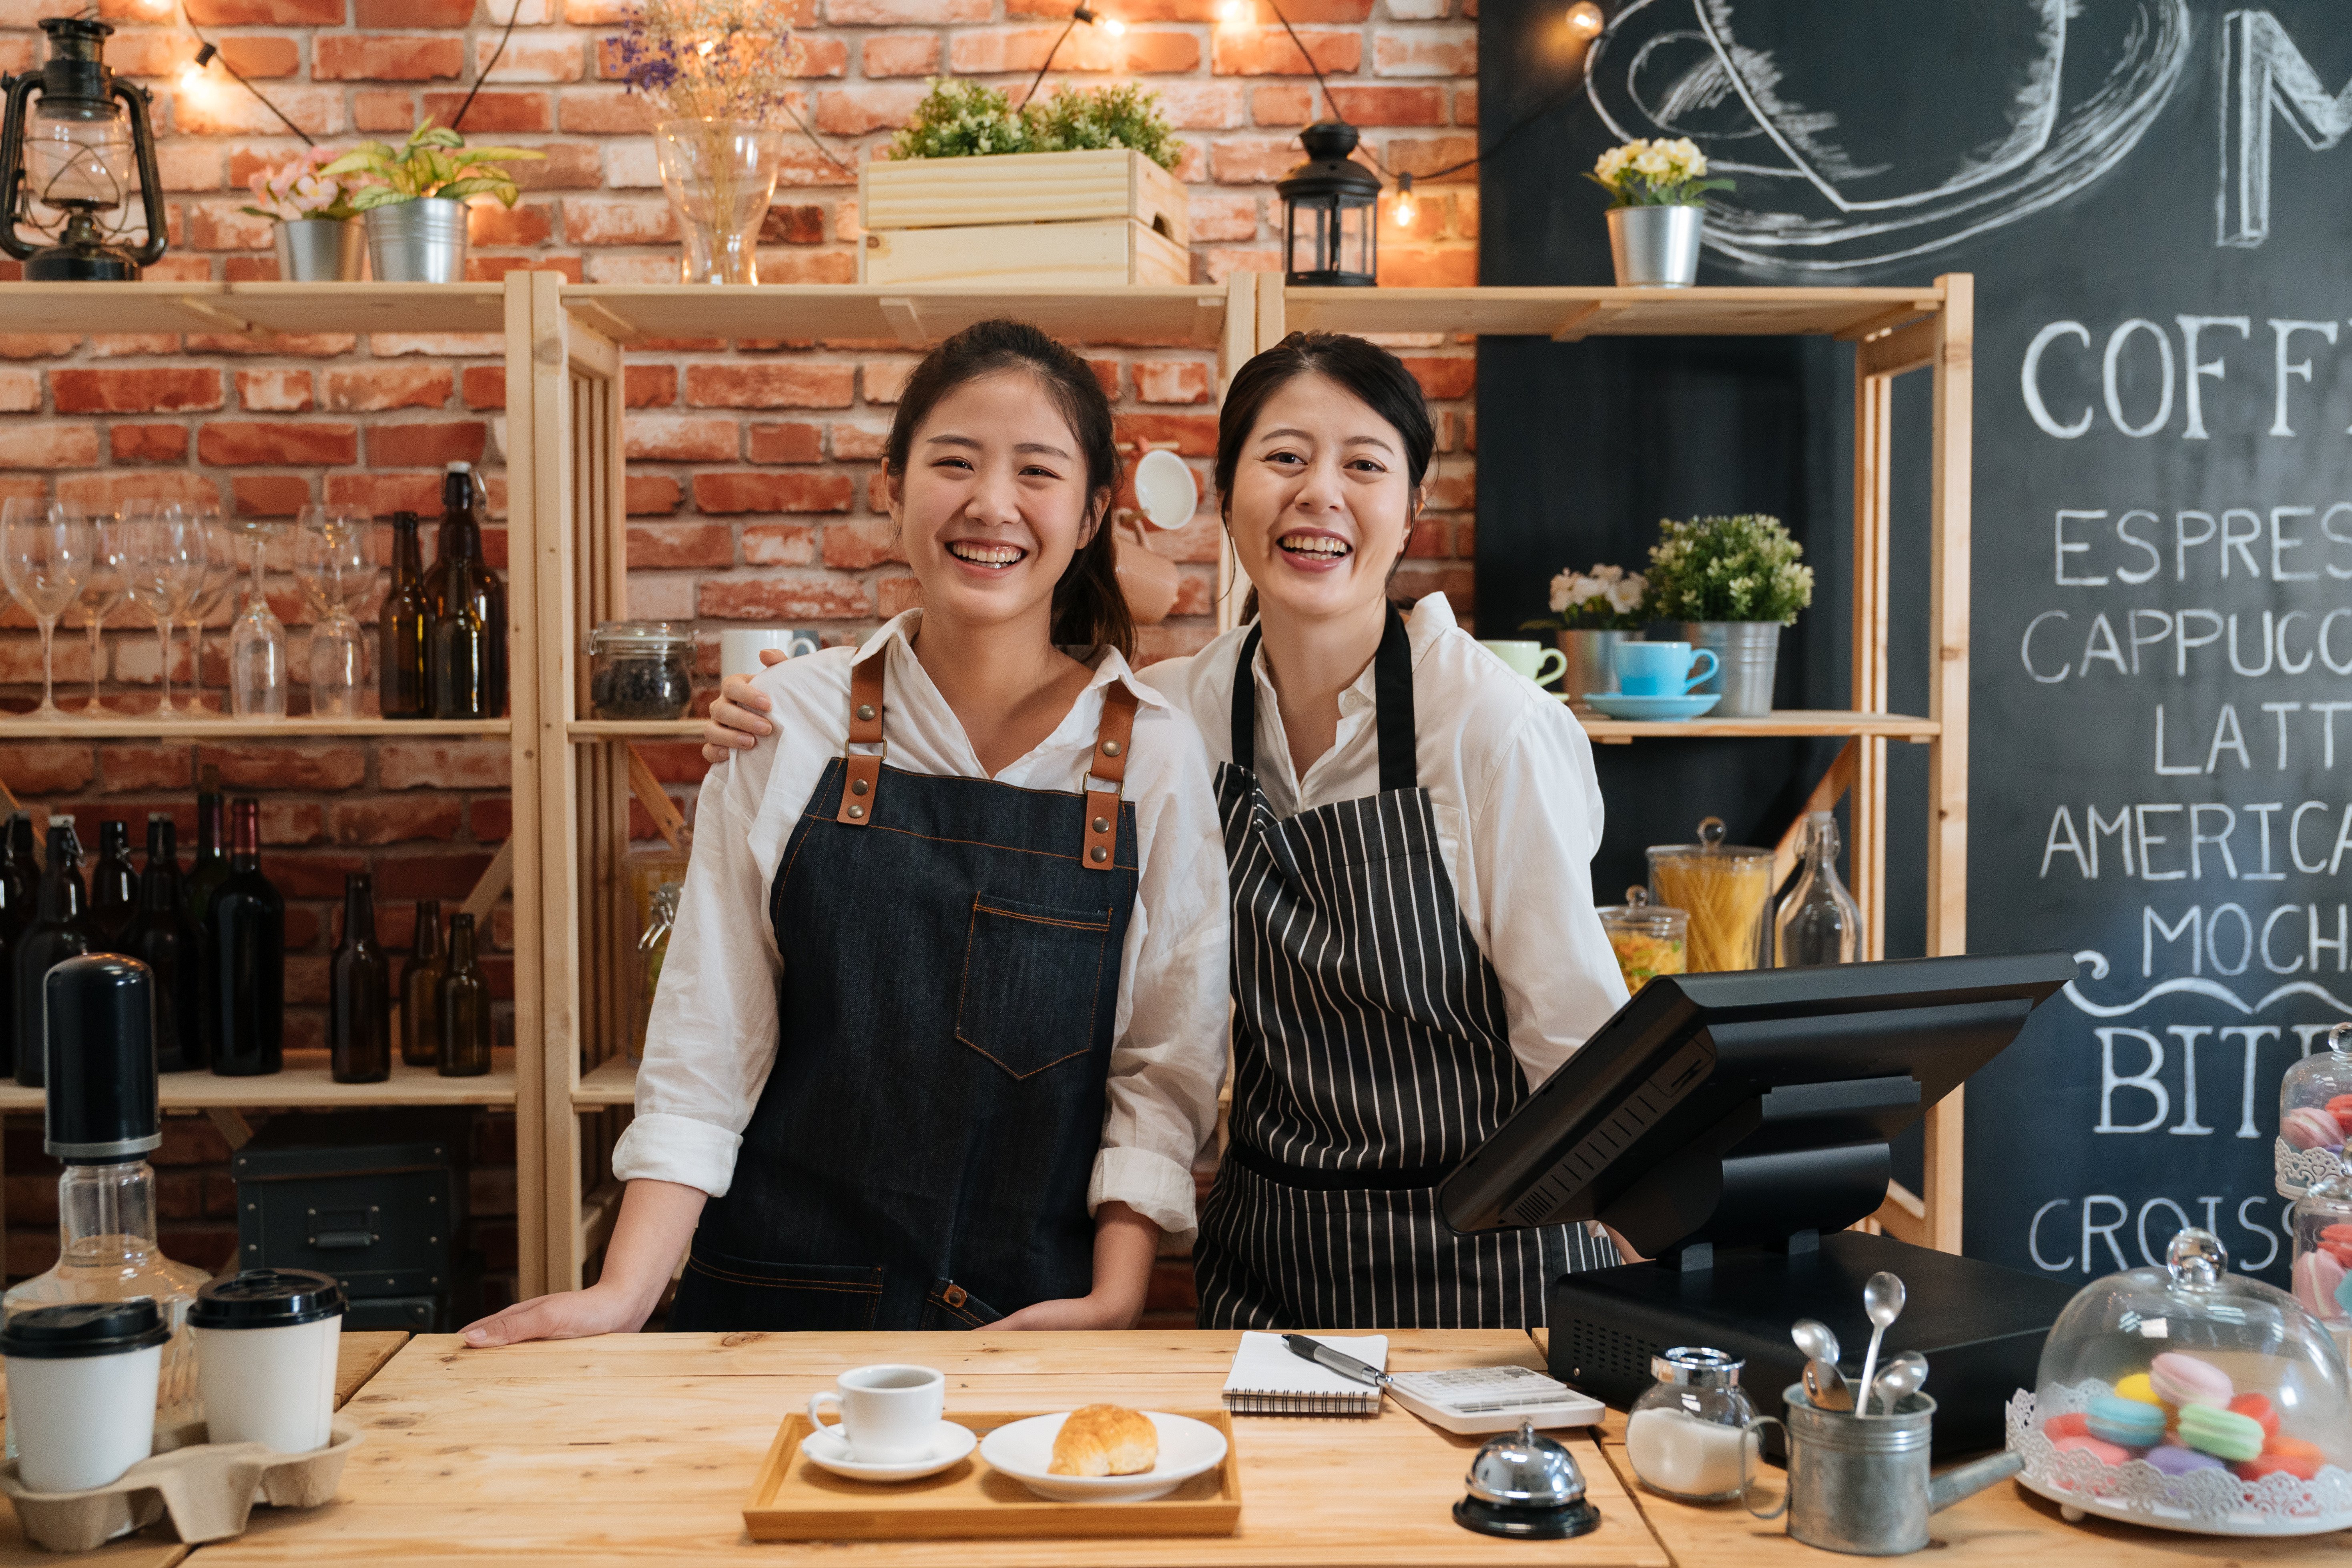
(423, 241)
(1859, 1484)
(1592, 664)
(1747, 653)
(1656, 247)
(321, 250)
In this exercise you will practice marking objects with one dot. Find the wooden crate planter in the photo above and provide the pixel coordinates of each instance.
(1031, 219)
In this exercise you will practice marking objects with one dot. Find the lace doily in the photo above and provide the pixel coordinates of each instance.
(2207, 1502)
(2294, 1170)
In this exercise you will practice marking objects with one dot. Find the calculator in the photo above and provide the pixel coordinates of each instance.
(1474, 1399)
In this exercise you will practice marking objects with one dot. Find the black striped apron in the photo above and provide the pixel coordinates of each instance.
(1372, 1056)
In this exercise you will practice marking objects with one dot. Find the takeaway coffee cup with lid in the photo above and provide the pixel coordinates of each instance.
(266, 1357)
(81, 1390)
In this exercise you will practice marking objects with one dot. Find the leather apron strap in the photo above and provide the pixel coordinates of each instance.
(863, 769)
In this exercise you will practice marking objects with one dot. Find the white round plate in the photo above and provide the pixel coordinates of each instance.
(1165, 489)
(949, 1443)
(1023, 1450)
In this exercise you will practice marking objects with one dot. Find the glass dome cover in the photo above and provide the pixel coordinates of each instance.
(2191, 1398)
(2315, 1115)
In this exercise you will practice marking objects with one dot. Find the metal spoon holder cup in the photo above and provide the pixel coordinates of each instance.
(1858, 1484)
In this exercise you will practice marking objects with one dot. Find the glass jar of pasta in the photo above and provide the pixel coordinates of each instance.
(1726, 889)
(1648, 939)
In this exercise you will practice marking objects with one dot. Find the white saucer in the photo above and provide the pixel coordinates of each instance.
(1025, 1450)
(825, 1450)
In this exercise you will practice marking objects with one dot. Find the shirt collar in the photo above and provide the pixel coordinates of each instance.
(1108, 663)
(1432, 618)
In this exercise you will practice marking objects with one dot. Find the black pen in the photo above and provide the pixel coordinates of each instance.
(1345, 1365)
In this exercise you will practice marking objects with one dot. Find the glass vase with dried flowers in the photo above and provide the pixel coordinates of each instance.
(715, 72)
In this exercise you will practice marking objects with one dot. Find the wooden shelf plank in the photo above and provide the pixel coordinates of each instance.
(306, 1086)
(1188, 316)
(608, 1083)
(147, 727)
(632, 729)
(1604, 312)
(288, 308)
(1785, 721)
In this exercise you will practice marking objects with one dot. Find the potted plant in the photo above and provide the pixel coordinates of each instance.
(716, 72)
(415, 200)
(1592, 612)
(1733, 582)
(1071, 190)
(1655, 216)
(317, 240)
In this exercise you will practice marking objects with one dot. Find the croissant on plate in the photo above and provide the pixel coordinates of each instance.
(1105, 1440)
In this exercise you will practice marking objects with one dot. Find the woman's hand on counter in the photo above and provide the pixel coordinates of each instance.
(734, 724)
(656, 1223)
(1125, 1244)
(566, 1315)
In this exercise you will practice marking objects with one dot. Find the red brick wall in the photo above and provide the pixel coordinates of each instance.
(752, 484)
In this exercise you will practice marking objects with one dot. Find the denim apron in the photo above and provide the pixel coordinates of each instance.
(921, 1155)
(1370, 1056)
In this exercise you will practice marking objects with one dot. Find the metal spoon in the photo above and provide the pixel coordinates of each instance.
(1881, 1300)
(1901, 1379)
(1816, 1339)
(1826, 1387)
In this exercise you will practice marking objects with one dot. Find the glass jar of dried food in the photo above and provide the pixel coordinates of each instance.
(1727, 887)
(640, 669)
(1648, 939)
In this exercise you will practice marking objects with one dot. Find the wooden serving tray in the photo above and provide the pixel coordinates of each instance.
(792, 1500)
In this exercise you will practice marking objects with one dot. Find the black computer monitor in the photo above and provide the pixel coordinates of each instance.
(1751, 1107)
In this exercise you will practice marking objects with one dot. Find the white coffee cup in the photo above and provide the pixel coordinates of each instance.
(888, 1412)
(265, 1343)
(81, 1390)
(739, 647)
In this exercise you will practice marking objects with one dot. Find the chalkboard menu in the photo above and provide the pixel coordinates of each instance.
(2152, 194)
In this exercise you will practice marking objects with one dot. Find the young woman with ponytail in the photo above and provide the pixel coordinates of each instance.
(942, 1023)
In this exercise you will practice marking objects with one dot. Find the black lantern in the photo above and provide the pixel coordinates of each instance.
(78, 155)
(1329, 212)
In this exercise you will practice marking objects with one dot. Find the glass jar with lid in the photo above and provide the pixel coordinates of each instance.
(2188, 1398)
(1648, 939)
(1727, 890)
(2322, 1273)
(2315, 1115)
(640, 669)
(1684, 1437)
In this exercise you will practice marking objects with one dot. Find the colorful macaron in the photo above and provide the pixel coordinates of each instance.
(2126, 1422)
(2224, 1434)
(2074, 1424)
(2299, 1465)
(2340, 1108)
(2258, 1406)
(2177, 1461)
(2106, 1452)
(2184, 1380)
(2308, 1127)
(2318, 1276)
(2136, 1386)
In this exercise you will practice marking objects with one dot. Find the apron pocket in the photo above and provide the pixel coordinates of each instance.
(1030, 977)
(949, 1305)
(725, 1294)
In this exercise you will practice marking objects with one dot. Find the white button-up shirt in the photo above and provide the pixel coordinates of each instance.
(1509, 771)
(711, 1038)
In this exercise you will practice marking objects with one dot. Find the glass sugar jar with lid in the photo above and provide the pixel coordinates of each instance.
(1684, 1437)
(2315, 1115)
(1648, 939)
(640, 669)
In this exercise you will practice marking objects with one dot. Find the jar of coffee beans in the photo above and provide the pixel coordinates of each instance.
(640, 669)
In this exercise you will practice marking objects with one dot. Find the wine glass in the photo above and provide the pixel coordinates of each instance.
(257, 639)
(330, 561)
(221, 573)
(100, 592)
(45, 553)
(160, 551)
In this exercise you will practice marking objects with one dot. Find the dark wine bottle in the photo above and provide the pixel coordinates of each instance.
(420, 990)
(114, 884)
(19, 876)
(460, 541)
(403, 627)
(60, 930)
(209, 869)
(359, 991)
(465, 1006)
(245, 958)
(460, 650)
(161, 937)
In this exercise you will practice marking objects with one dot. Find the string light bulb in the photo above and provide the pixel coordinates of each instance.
(1093, 18)
(1585, 20)
(192, 75)
(1404, 209)
(1235, 13)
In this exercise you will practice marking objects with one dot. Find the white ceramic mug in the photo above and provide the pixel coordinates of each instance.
(739, 647)
(888, 1412)
(1532, 660)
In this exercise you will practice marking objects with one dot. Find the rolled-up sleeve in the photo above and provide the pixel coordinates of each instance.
(1167, 1054)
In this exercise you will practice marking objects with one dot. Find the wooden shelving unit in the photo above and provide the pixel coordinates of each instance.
(133, 727)
(305, 1084)
(1894, 331)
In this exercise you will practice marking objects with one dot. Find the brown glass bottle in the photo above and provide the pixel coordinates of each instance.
(460, 540)
(60, 930)
(359, 991)
(401, 630)
(420, 990)
(465, 1006)
(244, 935)
(163, 938)
(461, 649)
(113, 885)
(20, 875)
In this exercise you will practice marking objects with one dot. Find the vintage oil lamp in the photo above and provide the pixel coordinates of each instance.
(70, 147)
(1328, 211)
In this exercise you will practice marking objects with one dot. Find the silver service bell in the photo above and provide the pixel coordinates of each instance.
(1527, 1486)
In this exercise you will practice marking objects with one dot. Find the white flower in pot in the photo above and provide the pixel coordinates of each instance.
(317, 240)
(415, 200)
(1655, 216)
(1592, 612)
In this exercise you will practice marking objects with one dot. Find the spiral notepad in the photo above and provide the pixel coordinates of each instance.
(1268, 1380)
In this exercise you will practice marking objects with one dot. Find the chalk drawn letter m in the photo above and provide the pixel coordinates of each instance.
(2262, 73)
